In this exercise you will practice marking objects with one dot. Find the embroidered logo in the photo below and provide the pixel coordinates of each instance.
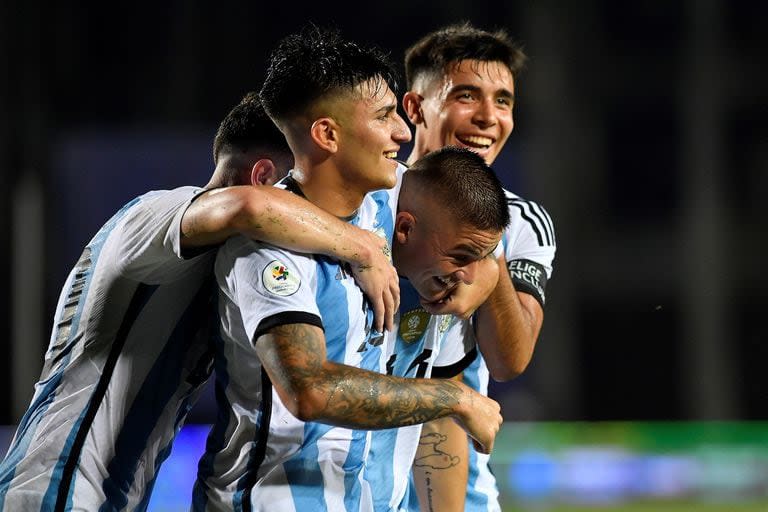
(413, 324)
(279, 279)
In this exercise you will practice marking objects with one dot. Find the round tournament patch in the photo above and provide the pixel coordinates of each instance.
(413, 324)
(279, 279)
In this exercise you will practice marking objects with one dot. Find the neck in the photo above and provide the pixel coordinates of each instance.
(323, 185)
(419, 150)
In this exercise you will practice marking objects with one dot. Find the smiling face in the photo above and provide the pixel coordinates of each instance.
(436, 254)
(470, 105)
(371, 132)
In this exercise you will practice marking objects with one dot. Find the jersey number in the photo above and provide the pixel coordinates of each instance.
(420, 363)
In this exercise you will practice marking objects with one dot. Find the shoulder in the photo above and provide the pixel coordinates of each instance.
(530, 216)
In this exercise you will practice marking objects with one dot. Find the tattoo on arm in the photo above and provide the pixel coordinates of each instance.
(354, 397)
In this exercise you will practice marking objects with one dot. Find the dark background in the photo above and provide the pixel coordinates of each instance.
(639, 126)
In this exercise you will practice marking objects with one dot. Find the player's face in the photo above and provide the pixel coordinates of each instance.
(440, 255)
(371, 134)
(469, 106)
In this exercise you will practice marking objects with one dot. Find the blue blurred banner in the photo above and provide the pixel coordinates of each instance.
(713, 466)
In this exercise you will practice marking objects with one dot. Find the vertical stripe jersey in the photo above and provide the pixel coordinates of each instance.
(422, 346)
(128, 352)
(259, 456)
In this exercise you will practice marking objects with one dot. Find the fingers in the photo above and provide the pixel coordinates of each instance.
(392, 302)
(380, 313)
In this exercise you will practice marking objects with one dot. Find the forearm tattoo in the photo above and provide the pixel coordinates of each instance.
(356, 398)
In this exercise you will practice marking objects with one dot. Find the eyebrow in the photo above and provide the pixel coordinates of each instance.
(474, 251)
(386, 109)
(473, 88)
(468, 249)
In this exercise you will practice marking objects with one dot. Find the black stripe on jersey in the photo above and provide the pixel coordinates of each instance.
(542, 228)
(546, 220)
(140, 298)
(260, 452)
(446, 372)
(285, 318)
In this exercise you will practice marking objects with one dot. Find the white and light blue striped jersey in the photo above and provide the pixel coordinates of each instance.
(128, 352)
(529, 248)
(259, 456)
(421, 347)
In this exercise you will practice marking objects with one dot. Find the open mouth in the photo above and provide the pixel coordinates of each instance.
(445, 287)
(475, 141)
(390, 154)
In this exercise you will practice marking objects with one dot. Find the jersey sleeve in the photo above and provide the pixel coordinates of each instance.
(269, 286)
(148, 237)
(457, 347)
(529, 246)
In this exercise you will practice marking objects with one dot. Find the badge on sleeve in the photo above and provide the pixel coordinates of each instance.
(279, 279)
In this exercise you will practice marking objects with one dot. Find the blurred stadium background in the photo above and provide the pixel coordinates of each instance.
(639, 125)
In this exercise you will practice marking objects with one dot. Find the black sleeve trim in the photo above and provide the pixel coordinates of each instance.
(529, 277)
(446, 372)
(284, 318)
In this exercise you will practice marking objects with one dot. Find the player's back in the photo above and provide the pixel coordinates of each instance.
(128, 351)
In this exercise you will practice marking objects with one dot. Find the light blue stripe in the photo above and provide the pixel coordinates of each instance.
(379, 467)
(332, 302)
(303, 474)
(353, 467)
(476, 501)
(384, 214)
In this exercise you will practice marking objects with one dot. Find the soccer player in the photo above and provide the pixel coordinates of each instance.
(129, 349)
(299, 368)
(461, 85)
(448, 198)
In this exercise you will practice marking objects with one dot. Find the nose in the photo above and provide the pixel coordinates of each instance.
(401, 133)
(467, 273)
(485, 114)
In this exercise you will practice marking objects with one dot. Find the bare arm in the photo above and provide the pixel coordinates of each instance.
(507, 325)
(441, 466)
(281, 218)
(315, 389)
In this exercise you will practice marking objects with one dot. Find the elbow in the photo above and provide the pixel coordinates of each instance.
(249, 209)
(307, 405)
(507, 372)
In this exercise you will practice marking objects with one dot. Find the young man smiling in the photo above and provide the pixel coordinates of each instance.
(461, 91)
(299, 369)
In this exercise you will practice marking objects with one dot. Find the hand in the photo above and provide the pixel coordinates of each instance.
(481, 419)
(378, 279)
(466, 298)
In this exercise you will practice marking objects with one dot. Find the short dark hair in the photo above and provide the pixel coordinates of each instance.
(247, 127)
(315, 62)
(460, 180)
(435, 52)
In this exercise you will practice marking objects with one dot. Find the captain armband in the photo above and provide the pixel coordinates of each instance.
(529, 277)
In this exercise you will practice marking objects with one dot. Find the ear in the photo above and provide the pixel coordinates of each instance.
(264, 172)
(412, 106)
(325, 134)
(404, 224)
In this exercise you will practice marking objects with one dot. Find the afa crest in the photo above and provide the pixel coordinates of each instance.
(413, 324)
